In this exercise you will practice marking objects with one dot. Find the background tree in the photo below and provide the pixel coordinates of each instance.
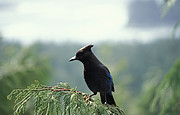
(18, 68)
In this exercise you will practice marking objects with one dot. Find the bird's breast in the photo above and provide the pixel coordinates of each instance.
(96, 81)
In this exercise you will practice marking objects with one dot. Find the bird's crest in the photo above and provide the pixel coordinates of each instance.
(88, 47)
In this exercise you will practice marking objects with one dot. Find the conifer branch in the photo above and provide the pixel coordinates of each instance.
(60, 99)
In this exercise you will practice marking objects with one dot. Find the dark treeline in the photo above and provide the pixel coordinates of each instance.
(134, 66)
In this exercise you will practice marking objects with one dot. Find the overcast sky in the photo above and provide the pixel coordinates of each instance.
(85, 21)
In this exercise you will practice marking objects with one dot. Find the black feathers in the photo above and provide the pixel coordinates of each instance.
(96, 75)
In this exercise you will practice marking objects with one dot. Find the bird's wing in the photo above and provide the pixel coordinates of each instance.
(107, 74)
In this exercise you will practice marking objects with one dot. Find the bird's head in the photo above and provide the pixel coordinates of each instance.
(82, 53)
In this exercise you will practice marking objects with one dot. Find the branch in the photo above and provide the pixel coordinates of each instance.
(60, 99)
(54, 89)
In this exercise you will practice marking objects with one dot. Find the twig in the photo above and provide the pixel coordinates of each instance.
(52, 89)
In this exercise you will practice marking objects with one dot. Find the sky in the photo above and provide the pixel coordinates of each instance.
(84, 21)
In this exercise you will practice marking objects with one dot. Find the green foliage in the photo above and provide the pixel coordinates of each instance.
(18, 68)
(168, 92)
(175, 29)
(166, 7)
(130, 65)
(60, 99)
(168, 4)
(148, 93)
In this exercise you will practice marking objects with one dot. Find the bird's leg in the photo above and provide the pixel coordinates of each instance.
(89, 98)
(94, 93)
(105, 99)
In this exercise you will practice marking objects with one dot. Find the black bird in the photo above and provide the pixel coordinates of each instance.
(96, 75)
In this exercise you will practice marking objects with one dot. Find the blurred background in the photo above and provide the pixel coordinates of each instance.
(138, 40)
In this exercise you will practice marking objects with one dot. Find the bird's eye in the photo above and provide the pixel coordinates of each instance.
(79, 53)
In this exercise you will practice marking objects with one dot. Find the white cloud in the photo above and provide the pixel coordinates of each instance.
(61, 20)
(64, 19)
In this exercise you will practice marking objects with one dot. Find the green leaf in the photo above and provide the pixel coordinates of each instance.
(57, 100)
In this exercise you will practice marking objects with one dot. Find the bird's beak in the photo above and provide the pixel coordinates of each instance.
(73, 58)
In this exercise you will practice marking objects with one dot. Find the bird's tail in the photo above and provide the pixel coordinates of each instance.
(108, 98)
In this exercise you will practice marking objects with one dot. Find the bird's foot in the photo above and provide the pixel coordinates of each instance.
(93, 94)
(89, 98)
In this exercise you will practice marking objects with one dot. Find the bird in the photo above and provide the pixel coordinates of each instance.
(97, 76)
